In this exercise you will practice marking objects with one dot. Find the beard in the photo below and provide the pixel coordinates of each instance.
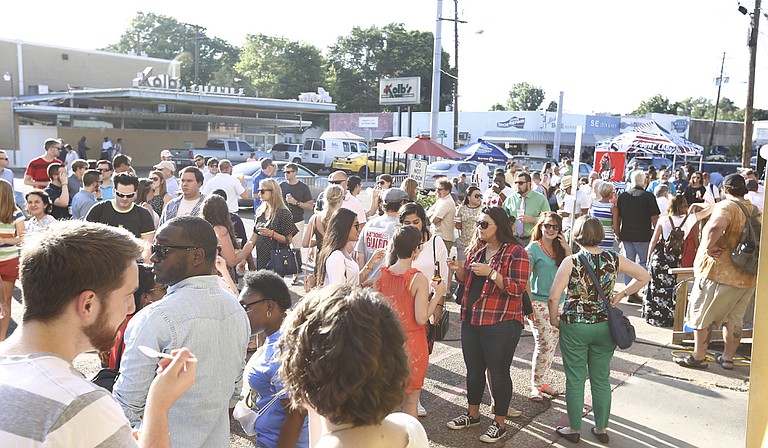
(100, 334)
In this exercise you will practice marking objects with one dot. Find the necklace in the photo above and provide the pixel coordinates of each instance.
(546, 251)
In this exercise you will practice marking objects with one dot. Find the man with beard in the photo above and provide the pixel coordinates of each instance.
(71, 308)
(525, 206)
(196, 313)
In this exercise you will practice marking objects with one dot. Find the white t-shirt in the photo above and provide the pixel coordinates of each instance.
(491, 199)
(230, 185)
(583, 199)
(340, 269)
(663, 203)
(565, 203)
(186, 206)
(445, 209)
(376, 235)
(754, 197)
(481, 171)
(354, 204)
(417, 436)
(712, 194)
(425, 261)
(666, 226)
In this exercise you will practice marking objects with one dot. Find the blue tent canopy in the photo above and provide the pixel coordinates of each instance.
(483, 151)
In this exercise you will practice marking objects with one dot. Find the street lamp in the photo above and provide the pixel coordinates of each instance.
(8, 77)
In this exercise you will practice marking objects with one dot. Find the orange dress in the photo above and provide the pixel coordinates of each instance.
(396, 288)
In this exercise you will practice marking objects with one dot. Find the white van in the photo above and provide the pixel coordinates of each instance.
(319, 153)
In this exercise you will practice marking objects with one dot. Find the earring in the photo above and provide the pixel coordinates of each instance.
(269, 313)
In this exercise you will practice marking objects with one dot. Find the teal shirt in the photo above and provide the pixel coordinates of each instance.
(535, 204)
(543, 270)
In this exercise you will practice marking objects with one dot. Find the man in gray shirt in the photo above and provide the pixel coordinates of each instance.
(195, 313)
(86, 197)
(378, 231)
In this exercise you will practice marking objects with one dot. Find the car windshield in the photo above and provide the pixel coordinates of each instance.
(440, 166)
(246, 169)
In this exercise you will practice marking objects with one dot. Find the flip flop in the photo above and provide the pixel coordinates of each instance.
(690, 361)
(727, 364)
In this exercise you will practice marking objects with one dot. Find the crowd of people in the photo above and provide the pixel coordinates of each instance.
(171, 266)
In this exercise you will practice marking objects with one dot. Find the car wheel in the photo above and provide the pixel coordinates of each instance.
(296, 160)
(363, 172)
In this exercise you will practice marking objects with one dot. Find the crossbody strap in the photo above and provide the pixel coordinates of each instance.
(592, 275)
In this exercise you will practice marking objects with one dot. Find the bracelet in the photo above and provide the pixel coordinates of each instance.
(273, 235)
(439, 304)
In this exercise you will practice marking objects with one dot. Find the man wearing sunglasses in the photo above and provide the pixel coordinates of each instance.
(122, 212)
(198, 313)
(36, 175)
(525, 206)
(107, 187)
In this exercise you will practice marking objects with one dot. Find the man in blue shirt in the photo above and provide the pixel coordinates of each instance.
(663, 177)
(267, 170)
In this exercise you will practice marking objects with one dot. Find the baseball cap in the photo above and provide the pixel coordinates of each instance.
(396, 195)
(165, 164)
(166, 153)
(734, 180)
(566, 181)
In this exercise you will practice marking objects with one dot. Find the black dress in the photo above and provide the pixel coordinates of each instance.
(659, 301)
(282, 224)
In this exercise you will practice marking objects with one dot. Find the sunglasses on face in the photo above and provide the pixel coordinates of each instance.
(161, 251)
(477, 196)
(337, 182)
(356, 226)
(125, 195)
(262, 190)
(554, 227)
(483, 224)
(104, 170)
(289, 171)
(521, 182)
(154, 179)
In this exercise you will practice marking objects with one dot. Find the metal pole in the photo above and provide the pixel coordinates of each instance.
(558, 127)
(456, 79)
(436, 61)
(746, 148)
(197, 55)
(717, 105)
(399, 121)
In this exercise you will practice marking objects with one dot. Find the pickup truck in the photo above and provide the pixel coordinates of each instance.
(235, 150)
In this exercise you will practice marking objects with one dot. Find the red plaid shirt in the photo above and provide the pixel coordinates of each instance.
(498, 305)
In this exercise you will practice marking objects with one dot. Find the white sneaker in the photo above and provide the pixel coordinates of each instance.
(421, 411)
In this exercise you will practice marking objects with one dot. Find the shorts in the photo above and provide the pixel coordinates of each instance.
(9, 270)
(715, 303)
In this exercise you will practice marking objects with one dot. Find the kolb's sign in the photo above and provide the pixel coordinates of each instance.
(400, 91)
(417, 169)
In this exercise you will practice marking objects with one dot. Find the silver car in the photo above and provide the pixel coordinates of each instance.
(449, 169)
(247, 170)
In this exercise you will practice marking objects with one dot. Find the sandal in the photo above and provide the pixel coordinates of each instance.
(602, 437)
(536, 395)
(727, 364)
(572, 437)
(549, 390)
(690, 361)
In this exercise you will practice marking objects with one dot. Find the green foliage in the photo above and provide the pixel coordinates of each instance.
(524, 96)
(165, 37)
(358, 60)
(498, 106)
(276, 67)
(426, 201)
(552, 106)
(655, 104)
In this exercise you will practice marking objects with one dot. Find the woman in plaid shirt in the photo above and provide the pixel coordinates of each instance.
(494, 276)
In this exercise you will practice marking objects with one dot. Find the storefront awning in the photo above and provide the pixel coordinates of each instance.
(537, 138)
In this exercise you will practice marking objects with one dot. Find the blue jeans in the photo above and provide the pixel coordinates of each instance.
(636, 251)
(490, 347)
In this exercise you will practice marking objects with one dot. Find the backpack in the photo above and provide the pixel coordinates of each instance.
(676, 239)
(747, 252)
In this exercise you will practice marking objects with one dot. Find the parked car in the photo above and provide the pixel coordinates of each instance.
(449, 169)
(535, 163)
(362, 164)
(644, 162)
(248, 170)
(320, 153)
(288, 152)
(234, 150)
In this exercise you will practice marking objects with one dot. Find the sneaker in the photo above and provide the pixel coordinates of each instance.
(463, 421)
(421, 412)
(493, 434)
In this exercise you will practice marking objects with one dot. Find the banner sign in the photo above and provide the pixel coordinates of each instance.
(400, 91)
(602, 125)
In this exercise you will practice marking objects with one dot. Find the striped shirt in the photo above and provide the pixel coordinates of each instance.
(47, 403)
(8, 230)
(604, 212)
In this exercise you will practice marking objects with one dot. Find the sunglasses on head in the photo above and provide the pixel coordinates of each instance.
(161, 250)
(554, 227)
(125, 195)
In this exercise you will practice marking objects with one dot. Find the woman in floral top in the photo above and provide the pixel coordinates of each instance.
(585, 339)
(466, 220)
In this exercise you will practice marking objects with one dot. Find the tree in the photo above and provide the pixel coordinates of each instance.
(552, 106)
(655, 104)
(524, 96)
(498, 106)
(357, 61)
(695, 108)
(275, 67)
(165, 37)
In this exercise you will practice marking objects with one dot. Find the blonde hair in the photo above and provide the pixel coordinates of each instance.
(411, 186)
(269, 208)
(333, 197)
(7, 202)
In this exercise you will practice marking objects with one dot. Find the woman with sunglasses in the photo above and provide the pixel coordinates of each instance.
(274, 222)
(266, 300)
(407, 290)
(383, 184)
(335, 265)
(467, 215)
(161, 196)
(495, 276)
(548, 248)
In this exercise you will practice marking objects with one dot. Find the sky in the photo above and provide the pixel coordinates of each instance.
(606, 56)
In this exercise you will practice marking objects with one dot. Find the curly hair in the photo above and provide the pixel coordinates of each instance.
(343, 354)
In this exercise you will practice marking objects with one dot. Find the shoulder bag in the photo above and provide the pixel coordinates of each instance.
(438, 330)
(622, 331)
(107, 378)
(247, 416)
(284, 260)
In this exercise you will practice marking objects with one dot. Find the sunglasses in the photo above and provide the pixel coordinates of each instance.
(289, 171)
(161, 251)
(154, 179)
(521, 182)
(483, 224)
(125, 195)
(337, 182)
(356, 226)
(262, 190)
(247, 306)
(477, 196)
(104, 170)
(554, 227)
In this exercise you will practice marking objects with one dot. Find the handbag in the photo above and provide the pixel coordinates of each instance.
(106, 378)
(284, 260)
(247, 416)
(622, 331)
(437, 331)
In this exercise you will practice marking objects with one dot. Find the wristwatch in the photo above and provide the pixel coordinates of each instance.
(494, 274)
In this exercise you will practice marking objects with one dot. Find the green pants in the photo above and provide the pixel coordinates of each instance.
(587, 347)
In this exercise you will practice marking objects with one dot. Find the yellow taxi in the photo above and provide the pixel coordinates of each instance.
(362, 164)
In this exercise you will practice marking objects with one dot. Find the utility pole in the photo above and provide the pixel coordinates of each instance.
(198, 38)
(434, 127)
(720, 82)
(456, 67)
(746, 151)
